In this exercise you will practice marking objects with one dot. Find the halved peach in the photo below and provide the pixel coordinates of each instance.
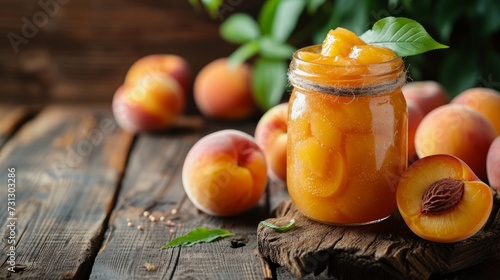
(442, 200)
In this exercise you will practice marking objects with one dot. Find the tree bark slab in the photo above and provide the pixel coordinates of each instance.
(385, 250)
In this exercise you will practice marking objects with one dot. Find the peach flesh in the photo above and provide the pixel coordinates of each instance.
(460, 206)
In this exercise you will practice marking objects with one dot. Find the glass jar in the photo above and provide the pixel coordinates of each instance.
(347, 139)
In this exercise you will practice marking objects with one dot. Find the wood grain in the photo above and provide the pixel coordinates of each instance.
(68, 164)
(81, 52)
(153, 183)
(11, 117)
(386, 250)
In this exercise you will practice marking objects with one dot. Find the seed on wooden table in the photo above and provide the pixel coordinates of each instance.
(174, 211)
(152, 218)
(172, 231)
(130, 224)
(139, 228)
(146, 214)
(162, 218)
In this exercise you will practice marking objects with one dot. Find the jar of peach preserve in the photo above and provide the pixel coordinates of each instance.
(347, 131)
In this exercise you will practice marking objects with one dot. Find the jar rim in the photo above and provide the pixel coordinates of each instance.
(317, 49)
(360, 79)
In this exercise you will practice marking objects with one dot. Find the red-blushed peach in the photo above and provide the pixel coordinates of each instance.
(151, 104)
(427, 94)
(493, 164)
(484, 100)
(442, 200)
(456, 130)
(173, 65)
(271, 136)
(225, 173)
(223, 91)
(415, 116)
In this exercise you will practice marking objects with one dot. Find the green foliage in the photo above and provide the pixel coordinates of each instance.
(470, 28)
(283, 228)
(197, 236)
(404, 36)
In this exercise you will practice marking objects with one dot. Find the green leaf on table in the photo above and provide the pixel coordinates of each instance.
(239, 28)
(212, 6)
(244, 52)
(286, 18)
(404, 36)
(286, 227)
(273, 49)
(198, 235)
(269, 81)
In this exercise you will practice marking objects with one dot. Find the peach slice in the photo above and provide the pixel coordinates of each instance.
(442, 200)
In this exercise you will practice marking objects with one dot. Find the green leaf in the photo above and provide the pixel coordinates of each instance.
(313, 5)
(212, 6)
(244, 52)
(239, 28)
(286, 18)
(273, 49)
(266, 16)
(286, 227)
(404, 36)
(198, 235)
(269, 80)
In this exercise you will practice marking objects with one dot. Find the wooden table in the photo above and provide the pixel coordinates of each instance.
(80, 181)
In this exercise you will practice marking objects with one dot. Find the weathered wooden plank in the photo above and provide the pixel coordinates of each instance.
(11, 117)
(68, 162)
(153, 183)
(386, 250)
(80, 50)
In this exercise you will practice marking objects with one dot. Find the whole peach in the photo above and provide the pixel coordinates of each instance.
(225, 173)
(271, 136)
(493, 164)
(151, 104)
(415, 116)
(173, 65)
(459, 131)
(427, 94)
(223, 91)
(485, 101)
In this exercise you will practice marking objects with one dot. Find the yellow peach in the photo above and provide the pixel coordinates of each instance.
(271, 136)
(442, 200)
(173, 65)
(151, 104)
(485, 101)
(493, 164)
(415, 116)
(456, 130)
(225, 173)
(427, 94)
(222, 91)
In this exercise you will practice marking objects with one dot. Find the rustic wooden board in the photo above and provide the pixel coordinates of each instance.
(83, 49)
(68, 163)
(386, 250)
(153, 183)
(11, 118)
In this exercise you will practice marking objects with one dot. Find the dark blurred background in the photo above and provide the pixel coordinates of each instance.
(78, 51)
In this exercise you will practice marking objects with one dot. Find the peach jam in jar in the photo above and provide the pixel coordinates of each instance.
(347, 130)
